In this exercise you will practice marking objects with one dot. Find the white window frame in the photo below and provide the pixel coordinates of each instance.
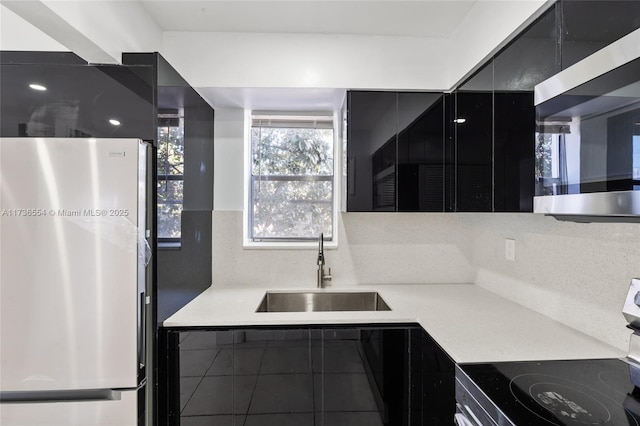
(248, 242)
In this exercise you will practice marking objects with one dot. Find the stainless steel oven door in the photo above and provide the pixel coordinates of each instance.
(587, 145)
(473, 406)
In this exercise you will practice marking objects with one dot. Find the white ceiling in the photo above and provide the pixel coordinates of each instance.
(276, 99)
(417, 18)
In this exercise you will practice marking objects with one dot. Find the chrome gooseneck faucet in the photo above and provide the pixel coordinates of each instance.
(322, 277)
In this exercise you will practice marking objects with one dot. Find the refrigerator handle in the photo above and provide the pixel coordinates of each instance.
(142, 333)
(147, 252)
(60, 395)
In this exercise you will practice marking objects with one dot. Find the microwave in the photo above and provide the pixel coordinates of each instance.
(587, 142)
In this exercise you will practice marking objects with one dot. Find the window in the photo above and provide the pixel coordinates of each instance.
(291, 187)
(170, 175)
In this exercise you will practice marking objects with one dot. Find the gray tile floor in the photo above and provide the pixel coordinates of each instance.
(264, 378)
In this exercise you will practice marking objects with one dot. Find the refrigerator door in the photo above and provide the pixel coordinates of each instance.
(122, 412)
(69, 263)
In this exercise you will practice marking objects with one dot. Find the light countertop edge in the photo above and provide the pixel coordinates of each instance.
(471, 324)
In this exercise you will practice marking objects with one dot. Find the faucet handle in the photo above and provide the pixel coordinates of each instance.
(327, 277)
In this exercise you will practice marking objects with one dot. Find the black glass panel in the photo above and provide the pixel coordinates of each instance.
(530, 59)
(514, 137)
(560, 392)
(449, 153)
(357, 375)
(474, 151)
(75, 101)
(371, 150)
(421, 156)
(395, 151)
(589, 25)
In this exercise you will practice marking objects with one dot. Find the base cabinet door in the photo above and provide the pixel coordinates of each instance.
(370, 375)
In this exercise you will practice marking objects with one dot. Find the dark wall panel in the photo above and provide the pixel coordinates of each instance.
(184, 273)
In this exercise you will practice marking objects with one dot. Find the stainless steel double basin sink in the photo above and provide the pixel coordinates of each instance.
(317, 301)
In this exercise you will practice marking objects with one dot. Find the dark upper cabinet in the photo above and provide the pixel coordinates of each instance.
(80, 99)
(474, 143)
(514, 138)
(528, 60)
(395, 151)
(589, 25)
(474, 156)
(421, 152)
(449, 154)
(371, 146)
(532, 57)
(494, 145)
(472, 150)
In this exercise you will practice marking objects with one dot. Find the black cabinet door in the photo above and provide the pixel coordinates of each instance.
(528, 60)
(421, 153)
(438, 381)
(373, 375)
(514, 139)
(395, 145)
(371, 150)
(474, 151)
(495, 129)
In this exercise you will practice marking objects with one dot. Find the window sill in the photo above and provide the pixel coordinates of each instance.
(293, 245)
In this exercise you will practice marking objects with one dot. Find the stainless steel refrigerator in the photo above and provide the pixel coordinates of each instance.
(73, 281)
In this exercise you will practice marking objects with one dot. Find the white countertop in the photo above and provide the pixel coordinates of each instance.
(470, 323)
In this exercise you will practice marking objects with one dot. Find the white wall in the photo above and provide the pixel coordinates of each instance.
(306, 60)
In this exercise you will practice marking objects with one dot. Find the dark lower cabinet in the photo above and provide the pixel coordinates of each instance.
(356, 375)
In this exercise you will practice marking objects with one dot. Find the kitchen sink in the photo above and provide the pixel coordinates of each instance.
(322, 301)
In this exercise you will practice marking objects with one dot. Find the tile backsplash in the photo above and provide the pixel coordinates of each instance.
(576, 273)
(373, 249)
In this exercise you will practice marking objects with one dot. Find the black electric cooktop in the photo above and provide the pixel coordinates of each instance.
(573, 392)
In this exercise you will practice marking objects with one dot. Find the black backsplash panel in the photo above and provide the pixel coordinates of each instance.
(184, 273)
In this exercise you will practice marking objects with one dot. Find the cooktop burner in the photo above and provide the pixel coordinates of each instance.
(573, 392)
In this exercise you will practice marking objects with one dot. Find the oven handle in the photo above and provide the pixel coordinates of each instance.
(461, 420)
(465, 417)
